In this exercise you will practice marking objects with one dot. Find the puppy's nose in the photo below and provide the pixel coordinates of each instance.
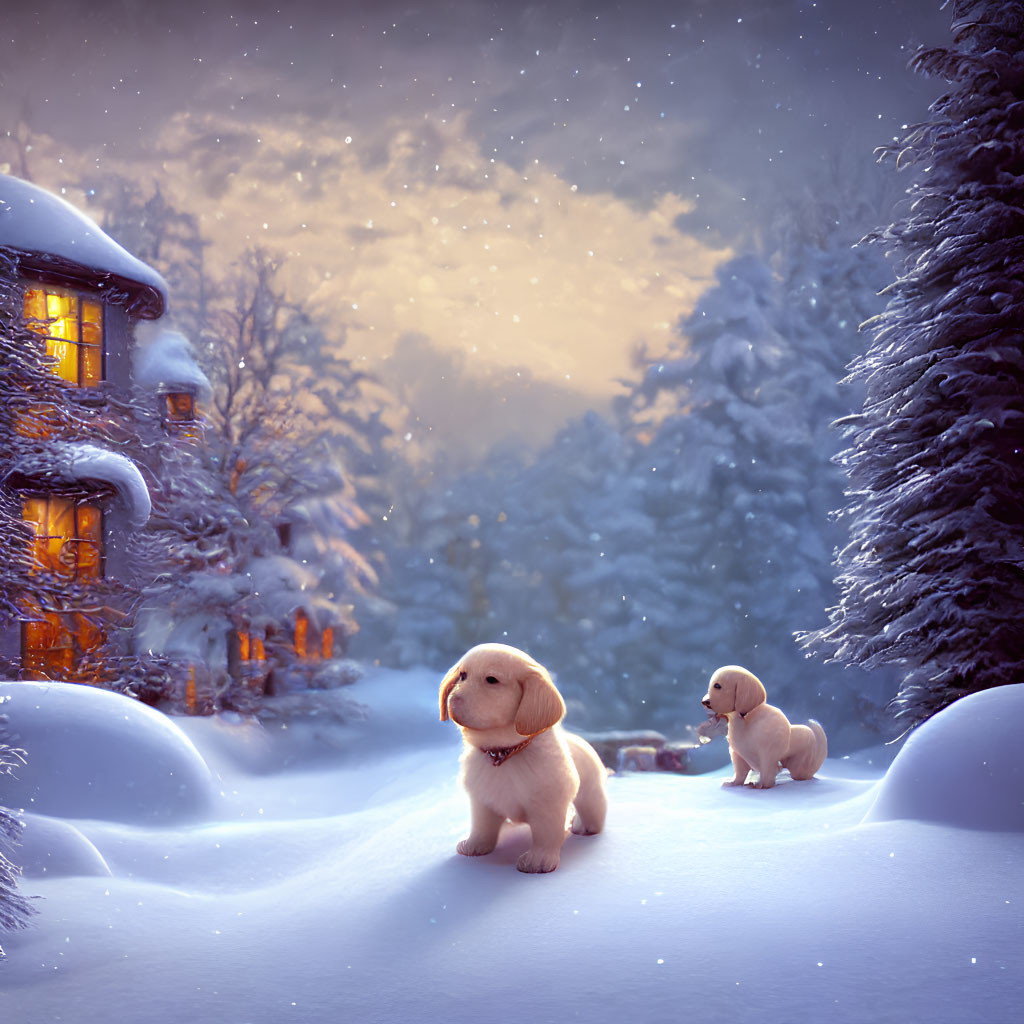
(707, 703)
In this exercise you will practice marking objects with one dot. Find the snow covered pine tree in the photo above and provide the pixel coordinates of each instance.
(933, 578)
(14, 908)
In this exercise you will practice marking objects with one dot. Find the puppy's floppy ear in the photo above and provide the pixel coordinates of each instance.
(749, 692)
(447, 685)
(541, 705)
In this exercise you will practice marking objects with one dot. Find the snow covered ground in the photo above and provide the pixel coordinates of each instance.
(204, 871)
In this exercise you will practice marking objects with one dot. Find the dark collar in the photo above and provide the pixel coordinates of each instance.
(499, 755)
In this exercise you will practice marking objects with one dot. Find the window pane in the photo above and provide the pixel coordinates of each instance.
(66, 355)
(62, 311)
(90, 541)
(73, 327)
(92, 366)
(68, 538)
(35, 306)
(180, 406)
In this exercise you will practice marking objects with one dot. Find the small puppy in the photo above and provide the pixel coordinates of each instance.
(519, 764)
(760, 736)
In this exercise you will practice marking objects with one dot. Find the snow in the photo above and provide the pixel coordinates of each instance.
(83, 461)
(331, 891)
(166, 361)
(965, 769)
(99, 755)
(35, 221)
(80, 460)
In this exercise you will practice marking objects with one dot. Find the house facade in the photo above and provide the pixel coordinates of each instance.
(125, 560)
(71, 493)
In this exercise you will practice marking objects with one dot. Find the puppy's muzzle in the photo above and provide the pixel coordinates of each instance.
(455, 703)
(707, 702)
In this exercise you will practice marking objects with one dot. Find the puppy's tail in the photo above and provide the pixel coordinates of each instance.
(809, 755)
(820, 744)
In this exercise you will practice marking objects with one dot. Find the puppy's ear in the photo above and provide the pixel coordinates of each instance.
(749, 692)
(447, 685)
(541, 705)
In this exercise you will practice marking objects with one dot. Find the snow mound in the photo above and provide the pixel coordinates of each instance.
(96, 754)
(963, 767)
(52, 848)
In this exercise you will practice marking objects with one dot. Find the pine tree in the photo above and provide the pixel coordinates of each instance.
(15, 910)
(275, 455)
(734, 439)
(933, 577)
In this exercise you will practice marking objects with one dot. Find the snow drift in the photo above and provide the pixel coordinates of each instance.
(962, 767)
(331, 891)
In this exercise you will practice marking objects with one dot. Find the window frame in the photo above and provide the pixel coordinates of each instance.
(85, 377)
(54, 638)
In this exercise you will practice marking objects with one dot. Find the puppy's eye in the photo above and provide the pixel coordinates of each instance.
(492, 680)
(718, 686)
(462, 677)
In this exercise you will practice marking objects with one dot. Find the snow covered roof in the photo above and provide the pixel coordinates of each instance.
(76, 460)
(166, 361)
(56, 236)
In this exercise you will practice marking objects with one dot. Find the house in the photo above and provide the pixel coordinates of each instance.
(125, 559)
(71, 494)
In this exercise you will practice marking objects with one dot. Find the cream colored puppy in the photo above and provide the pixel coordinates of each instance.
(760, 736)
(519, 764)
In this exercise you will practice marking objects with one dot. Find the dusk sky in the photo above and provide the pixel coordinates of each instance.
(512, 193)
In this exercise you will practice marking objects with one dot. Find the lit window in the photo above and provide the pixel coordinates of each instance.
(67, 537)
(301, 633)
(67, 540)
(73, 328)
(309, 644)
(250, 647)
(53, 642)
(179, 407)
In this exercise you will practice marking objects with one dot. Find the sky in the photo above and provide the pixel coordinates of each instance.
(494, 200)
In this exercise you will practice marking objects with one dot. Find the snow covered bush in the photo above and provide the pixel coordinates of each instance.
(932, 579)
(14, 908)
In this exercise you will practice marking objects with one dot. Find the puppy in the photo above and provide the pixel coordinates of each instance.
(760, 736)
(518, 763)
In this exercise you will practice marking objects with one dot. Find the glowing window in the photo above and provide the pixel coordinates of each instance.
(179, 407)
(67, 540)
(67, 537)
(301, 633)
(73, 328)
(53, 642)
(250, 647)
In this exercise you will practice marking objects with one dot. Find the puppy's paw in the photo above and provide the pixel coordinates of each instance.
(474, 848)
(580, 828)
(732, 782)
(535, 863)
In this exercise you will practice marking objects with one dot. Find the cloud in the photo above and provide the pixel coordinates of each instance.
(412, 229)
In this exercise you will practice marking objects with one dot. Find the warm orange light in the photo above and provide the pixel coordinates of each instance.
(53, 642)
(301, 632)
(190, 691)
(67, 537)
(73, 328)
(327, 643)
(179, 407)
